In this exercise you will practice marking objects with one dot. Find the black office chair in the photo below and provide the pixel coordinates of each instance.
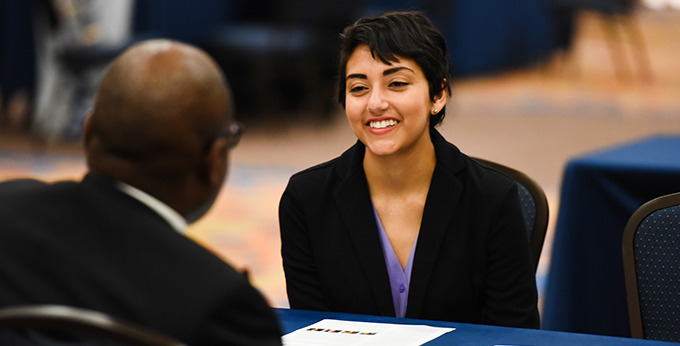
(39, 325)
(651, 265)
(534, 207)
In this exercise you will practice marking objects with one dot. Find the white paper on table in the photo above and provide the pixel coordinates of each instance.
(343, 333)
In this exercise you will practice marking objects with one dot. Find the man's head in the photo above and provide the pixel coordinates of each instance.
(163, 123)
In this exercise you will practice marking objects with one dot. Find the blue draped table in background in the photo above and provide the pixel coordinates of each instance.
(585, 291)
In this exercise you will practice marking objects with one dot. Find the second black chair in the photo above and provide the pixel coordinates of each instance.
(651, 266)
(534, 207)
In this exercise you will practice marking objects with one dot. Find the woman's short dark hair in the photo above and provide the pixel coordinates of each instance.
(405, 34)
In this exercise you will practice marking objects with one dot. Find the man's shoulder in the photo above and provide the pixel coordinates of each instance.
(21, 184)
(32, 188)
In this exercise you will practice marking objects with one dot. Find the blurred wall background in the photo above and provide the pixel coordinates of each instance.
(279, 55)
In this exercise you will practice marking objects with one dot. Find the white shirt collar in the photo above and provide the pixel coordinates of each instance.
(175, 220)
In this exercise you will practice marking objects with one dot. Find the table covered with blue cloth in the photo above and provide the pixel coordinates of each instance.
(585, 289)
(465, 334)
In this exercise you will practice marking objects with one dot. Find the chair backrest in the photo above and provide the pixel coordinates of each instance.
(651, 264)
(534, 207)
(42, 321)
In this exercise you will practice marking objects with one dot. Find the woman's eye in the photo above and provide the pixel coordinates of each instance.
(357, 89)
(398, 84)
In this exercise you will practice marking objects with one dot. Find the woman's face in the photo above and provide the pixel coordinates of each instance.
(388, 106)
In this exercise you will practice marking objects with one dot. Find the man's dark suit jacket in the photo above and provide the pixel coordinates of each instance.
(90, 245)
(472, 262)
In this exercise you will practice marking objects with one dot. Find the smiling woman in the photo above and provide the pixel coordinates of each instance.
(403, 224)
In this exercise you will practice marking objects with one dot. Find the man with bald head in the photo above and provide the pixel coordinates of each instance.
(157, 146)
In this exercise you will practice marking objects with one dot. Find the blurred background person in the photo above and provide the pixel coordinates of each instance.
(280, 54)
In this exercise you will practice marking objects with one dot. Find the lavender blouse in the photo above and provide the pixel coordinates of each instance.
(399, 278)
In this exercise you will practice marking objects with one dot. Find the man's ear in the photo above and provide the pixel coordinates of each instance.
(216, 162)
(87, 130)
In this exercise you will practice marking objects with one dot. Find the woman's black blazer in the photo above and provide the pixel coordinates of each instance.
(472, 262)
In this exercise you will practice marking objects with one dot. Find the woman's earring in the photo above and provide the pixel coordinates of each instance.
(435, 111)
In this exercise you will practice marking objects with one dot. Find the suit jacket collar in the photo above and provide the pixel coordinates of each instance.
(113, 188)
(354, 204)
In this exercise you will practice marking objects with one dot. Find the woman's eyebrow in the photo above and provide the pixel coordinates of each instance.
(357, 75)
(395, 70)
(385, 73)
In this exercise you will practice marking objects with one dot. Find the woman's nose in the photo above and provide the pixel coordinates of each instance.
(377, 101)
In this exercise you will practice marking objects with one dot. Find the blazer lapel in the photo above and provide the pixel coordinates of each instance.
(354, 204)
(444, 193)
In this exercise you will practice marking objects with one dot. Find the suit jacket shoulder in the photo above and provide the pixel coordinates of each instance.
(88, 244)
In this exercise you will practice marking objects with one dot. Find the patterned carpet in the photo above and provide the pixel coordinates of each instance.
(243, 227)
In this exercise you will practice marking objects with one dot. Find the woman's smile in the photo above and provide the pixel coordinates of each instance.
(381, 124)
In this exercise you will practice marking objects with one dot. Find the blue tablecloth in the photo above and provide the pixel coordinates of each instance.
(585, 290)
(466, 334)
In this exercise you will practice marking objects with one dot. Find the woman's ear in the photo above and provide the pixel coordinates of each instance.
(440, 100)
